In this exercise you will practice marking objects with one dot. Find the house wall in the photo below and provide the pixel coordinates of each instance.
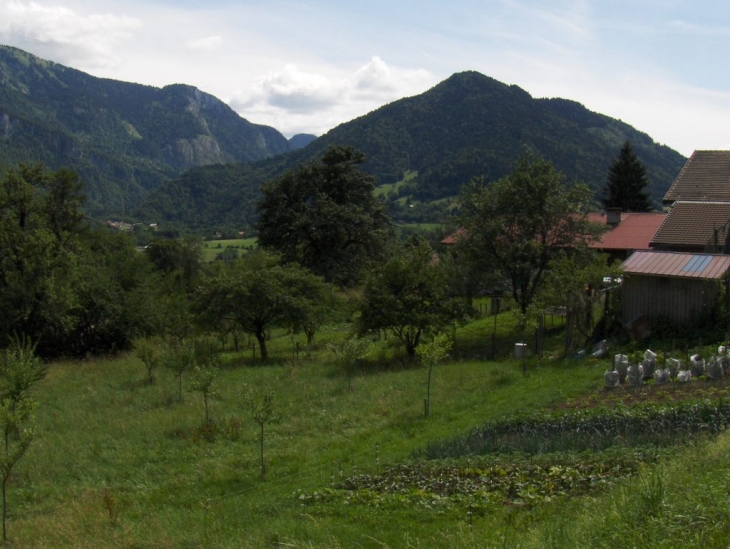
(680, 299)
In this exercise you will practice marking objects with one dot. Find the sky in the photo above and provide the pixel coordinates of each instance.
(307, 66)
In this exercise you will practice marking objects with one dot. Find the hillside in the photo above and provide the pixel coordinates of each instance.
(424, 148)
(123, 139)
(118, 462)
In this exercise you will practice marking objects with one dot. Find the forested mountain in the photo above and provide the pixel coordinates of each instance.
(431, 144)
(122, 139)
(132, 144)
(301, 140)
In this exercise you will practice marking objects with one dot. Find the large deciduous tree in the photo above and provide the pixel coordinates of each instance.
(40, 219)
(626, 183)
(517, 224)
(575, 282)
(409, 296)
(257, 293)
(324, 216)
(71, 288)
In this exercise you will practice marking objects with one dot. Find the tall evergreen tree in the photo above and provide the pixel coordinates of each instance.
(626, 183)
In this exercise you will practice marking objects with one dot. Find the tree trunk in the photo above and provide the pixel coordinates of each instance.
(5, 509)
(263, 464)
(569, 321)
(261, 338)
(428, 392)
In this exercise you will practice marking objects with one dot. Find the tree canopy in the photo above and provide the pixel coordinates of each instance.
(516, 225)
(72, 288)
(409, 296)
(324, 216)
(626, 183)
(256, 294)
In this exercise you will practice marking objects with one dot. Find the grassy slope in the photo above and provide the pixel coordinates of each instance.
(116, 462)
(210, 248)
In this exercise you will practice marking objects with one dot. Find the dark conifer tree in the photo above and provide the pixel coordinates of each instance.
(626, 183)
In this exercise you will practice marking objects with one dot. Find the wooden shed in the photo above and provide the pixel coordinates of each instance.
(680, 286)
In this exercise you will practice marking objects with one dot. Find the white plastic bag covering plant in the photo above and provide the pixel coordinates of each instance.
(649, 365)
(697, 365)
(684, 375)
(621, 365)
(635, 375)
(725, 363)
(673, 365)
(649, 355)
(722, 350)
(661, 376)
(714, 369)
(611, 378)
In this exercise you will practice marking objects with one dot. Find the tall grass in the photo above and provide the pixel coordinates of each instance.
(121, 463)
(681, 502)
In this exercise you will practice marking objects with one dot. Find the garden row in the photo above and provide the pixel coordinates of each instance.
(662, 369)
(593, 429)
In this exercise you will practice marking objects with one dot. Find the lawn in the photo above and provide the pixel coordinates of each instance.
(211, 248)
(121, 463)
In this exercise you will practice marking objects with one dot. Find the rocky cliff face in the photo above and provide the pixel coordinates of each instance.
(124, 139)
(201, 151)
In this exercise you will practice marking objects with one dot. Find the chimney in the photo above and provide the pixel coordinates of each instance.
(613, 216)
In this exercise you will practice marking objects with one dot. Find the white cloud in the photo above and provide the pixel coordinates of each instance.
(209, 43)
(61, 34)
(293, 100)
(377, 80)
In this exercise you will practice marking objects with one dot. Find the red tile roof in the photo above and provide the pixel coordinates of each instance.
(693, 224)
(677, 264)
(635, 231)
(705, 176)
(454, 237)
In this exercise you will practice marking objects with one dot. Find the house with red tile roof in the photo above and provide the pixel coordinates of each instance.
(699, 220)
(627, 232)
(633, 231)
(695, 226)
(705, 177)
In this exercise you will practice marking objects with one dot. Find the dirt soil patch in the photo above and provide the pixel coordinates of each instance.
(674, 391)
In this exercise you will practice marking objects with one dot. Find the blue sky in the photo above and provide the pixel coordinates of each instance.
(307, 66)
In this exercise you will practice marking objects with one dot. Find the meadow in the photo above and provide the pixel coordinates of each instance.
(211, 248)
(118, 462)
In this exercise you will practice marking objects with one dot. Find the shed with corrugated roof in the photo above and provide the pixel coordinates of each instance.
(679, 286)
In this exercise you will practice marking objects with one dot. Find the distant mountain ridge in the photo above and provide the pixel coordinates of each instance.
(472, 125)
(177, 154)
(301, 140)
(123, 139)
(427, 146)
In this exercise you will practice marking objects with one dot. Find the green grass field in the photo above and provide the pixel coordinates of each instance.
(387, 187)
(120, 463)
(211, 248)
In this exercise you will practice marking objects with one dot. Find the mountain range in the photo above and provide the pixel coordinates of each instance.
(122, 139)
(177, 154)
